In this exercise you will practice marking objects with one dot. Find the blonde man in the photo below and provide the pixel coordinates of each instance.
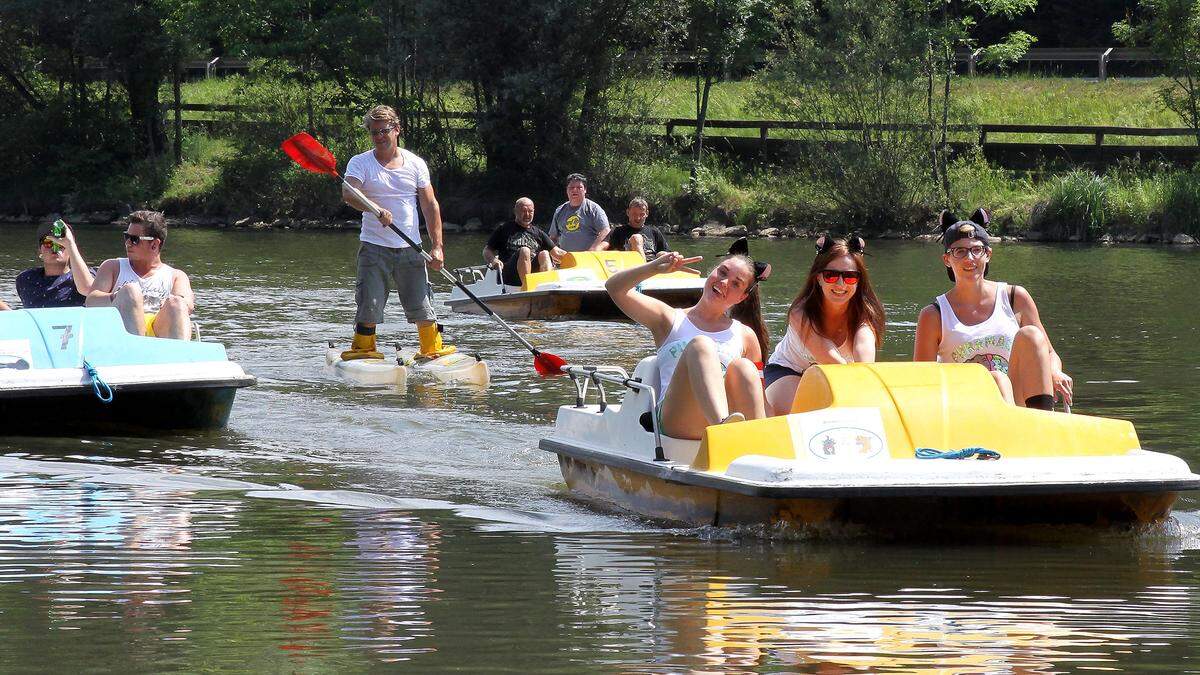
(636, 235)
(398, 182)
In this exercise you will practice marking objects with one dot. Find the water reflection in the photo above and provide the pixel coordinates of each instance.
(333, 528)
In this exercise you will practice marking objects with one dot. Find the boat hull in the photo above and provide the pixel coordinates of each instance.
(133, 410)
(566, 304)
(677, 502)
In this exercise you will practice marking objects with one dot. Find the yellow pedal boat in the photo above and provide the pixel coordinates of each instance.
(847, 454)
(574, 290)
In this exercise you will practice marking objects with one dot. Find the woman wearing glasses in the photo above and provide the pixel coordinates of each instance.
(836, 318)
(989, 322)
(707, 352)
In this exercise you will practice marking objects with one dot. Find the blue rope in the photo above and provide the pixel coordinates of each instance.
(965, 453)
(103, 391)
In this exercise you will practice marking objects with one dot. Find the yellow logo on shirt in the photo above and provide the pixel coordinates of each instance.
(573, 223)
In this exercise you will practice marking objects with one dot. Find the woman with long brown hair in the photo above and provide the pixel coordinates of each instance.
(836, 318)
(707, 352)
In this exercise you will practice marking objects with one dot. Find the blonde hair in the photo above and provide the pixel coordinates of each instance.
(639, 201)
(381, 113)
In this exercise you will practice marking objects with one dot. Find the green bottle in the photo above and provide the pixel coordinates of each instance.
(58, 230)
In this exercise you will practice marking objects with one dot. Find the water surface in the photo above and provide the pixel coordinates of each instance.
(337, 528)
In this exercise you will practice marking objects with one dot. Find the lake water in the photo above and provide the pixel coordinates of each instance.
(331, 528)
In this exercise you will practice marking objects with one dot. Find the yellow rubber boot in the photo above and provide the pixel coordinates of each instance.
(430, 335)
(362, 347)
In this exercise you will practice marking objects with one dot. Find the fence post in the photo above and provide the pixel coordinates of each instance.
(972, 59)
(1104, 64)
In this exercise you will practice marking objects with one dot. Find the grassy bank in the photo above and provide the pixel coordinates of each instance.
(1134, 199)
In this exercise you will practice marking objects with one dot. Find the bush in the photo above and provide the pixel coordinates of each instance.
(1076, 207)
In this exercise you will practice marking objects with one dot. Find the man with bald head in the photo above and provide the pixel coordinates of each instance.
(519, 247)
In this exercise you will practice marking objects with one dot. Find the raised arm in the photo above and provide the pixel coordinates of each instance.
(80, 274)
(929, 334)
(650, 312)
(4, 306)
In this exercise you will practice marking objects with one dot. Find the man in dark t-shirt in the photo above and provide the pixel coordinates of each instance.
(519, 247)
(63, 280)
(637, 235)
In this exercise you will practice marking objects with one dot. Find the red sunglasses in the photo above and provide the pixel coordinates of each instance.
(831, 276)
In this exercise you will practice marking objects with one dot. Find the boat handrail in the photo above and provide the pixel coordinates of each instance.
(583, 376)
(471, 274)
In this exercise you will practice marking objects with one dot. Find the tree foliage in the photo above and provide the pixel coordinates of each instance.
(1171, 29)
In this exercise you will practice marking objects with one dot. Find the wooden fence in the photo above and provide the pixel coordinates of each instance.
(1094, 148)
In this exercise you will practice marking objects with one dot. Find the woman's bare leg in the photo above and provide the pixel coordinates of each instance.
(781, 393)
(743, 390)
(1003, 384)
(695, 397)
(1029, 365)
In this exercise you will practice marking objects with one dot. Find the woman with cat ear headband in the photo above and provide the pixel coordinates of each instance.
(836, 318)
(987, 322)
(707, 352)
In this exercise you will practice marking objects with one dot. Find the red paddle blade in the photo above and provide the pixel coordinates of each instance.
(548, 365)
(310, 154)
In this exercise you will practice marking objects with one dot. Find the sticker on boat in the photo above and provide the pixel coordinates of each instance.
(841, 434)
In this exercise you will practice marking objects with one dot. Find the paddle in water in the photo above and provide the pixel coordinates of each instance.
(312, 156)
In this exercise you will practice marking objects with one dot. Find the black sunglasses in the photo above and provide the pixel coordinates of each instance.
(135, 239)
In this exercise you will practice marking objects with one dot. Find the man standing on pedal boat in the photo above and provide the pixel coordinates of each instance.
(397, 181)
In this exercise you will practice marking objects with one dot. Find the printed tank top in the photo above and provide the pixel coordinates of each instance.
(155, 287)
(730, 344)
(988, 342)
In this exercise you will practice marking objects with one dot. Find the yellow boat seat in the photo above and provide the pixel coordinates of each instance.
(595, 266)
(945, 406)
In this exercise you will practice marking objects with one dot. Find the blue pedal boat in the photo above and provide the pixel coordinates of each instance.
(77, 369)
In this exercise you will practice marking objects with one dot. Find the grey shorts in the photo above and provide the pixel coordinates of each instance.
(381, 270)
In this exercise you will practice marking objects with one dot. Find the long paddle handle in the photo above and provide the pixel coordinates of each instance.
(375, 210)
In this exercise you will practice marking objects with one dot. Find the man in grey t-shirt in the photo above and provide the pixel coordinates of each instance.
(579, 224)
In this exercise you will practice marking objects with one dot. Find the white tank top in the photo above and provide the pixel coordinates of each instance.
(791, 352)
(988, 342)
(730, 345)
(155, 287)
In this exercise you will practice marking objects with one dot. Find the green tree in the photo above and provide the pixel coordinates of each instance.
(1171, 29)
(723, 37)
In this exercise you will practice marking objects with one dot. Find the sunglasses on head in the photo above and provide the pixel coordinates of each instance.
(134, 239)
(854, 243)
(850, 277)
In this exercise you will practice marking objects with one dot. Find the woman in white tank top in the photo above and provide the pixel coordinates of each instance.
(706, 359)
(990, 323)
(836, 318)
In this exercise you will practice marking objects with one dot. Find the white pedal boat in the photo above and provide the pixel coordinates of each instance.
(58, 365)
(846, 455)
(456, 367)
(575, 290)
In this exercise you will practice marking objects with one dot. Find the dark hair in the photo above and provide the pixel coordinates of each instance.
(153, 221)
(865, 306)
(954, 229)
(577, 177)
(749, 310)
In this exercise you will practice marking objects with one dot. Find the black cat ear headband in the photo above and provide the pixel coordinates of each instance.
(854, 243)
(762, 270)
